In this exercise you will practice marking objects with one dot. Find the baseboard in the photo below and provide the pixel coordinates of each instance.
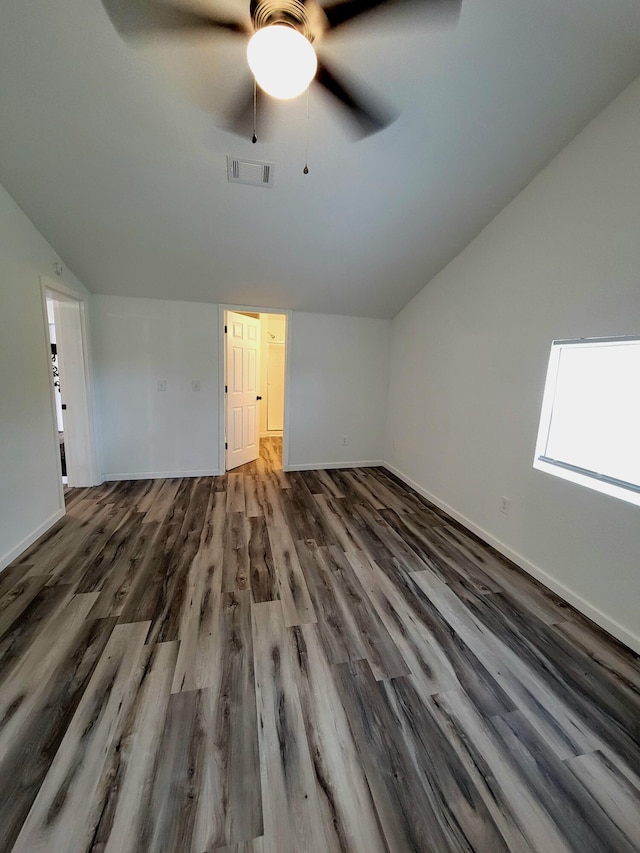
(163, 475)
(275, 433)
(30, 539)
(606, 622)
(319, 466)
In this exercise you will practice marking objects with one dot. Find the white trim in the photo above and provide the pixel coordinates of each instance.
(320, 466)
(589, 482)
(606, 622)
(163, 475)
(30, 539)
(288, 349)
(222, 309)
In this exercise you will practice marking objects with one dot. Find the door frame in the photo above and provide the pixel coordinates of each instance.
(62, 293)
(222, 402)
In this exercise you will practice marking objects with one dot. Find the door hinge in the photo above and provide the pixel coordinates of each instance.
(225, 389)
(225, 329)
(226, 446)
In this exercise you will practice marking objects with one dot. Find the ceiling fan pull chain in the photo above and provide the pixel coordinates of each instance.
(254, 138)
(305, 171)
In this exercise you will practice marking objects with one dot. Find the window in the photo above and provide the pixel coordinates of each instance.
(590, 423)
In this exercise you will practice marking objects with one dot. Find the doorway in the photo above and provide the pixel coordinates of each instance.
(57, 390)
(71, 411)
(255, 380)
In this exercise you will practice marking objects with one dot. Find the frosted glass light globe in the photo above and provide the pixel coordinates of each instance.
(282, 61)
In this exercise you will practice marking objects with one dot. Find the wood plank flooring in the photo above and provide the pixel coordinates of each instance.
(311, 662)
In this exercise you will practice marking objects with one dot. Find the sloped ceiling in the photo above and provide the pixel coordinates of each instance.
(118, 155)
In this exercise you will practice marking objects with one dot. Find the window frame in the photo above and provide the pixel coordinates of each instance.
(621, 489)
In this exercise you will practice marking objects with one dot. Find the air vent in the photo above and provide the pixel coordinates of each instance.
(251, 172)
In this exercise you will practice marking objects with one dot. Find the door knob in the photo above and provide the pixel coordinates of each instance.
(258, 398)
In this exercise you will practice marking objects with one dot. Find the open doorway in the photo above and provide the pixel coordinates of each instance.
(57, 390)
(66, 329)
(255, 382)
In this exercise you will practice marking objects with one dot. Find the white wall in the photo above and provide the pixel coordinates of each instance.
(338, 386)
(146, 432)
(30, 497)
(276, 325)
(339, 381)
(468, 362)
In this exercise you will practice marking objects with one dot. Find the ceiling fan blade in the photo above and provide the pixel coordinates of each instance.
(367, 116)
(139, 18)
(341, 13)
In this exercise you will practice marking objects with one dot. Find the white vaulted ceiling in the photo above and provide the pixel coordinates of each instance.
(118, 156)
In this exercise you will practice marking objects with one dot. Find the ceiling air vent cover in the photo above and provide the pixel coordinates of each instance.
(251, 172)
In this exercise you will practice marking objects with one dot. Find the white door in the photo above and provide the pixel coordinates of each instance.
(275, 382)
(73, 386)
(242, 372)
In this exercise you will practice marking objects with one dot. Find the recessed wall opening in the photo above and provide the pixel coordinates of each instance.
(255, 344)
(590, 419)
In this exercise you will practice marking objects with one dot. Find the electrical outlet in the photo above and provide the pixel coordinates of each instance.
(345, 439)
(195, 384)
(162, 384)
(505, 505)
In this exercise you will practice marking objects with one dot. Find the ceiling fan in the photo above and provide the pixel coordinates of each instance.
(281, 51)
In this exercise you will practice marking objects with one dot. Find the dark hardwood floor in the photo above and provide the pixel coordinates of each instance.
(301, 663)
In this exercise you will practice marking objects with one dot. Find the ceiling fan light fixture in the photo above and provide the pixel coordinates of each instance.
(282, 60)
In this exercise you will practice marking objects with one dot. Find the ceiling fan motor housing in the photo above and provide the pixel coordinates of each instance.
(293, 13)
